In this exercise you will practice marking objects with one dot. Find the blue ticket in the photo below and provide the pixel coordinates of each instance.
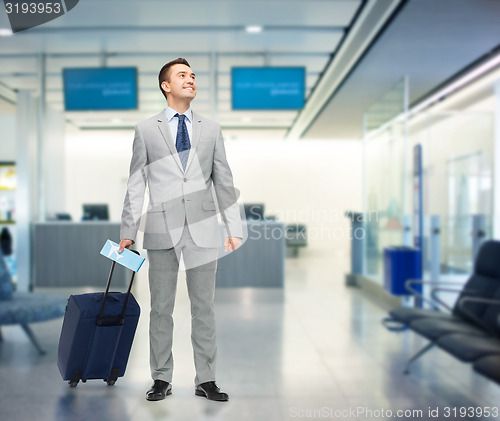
(126, 257)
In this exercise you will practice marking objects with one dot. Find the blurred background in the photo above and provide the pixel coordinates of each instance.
(354, 129)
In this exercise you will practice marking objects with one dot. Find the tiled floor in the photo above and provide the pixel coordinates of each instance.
(315, 350)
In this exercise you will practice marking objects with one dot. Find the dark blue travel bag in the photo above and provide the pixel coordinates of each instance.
(97, 334)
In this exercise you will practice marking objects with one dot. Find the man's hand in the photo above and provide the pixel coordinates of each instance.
(125, 244)
(231, 243)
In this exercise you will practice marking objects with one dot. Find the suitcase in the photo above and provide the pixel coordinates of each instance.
(97, 334)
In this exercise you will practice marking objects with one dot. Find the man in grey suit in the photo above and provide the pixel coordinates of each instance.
(180, 157)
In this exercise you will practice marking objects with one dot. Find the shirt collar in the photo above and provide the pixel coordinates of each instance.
(170, 113)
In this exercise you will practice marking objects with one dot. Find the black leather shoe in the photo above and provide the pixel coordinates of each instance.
(159, 391)
(211, 391)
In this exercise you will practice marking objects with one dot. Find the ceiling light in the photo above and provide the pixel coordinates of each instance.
(254, 29)
(246, 119)
(5, 32)
(116, 120)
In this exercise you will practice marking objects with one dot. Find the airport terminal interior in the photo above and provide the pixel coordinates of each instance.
(362, 137)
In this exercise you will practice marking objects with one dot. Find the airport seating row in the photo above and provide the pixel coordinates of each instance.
(25, 308)
(470, 330)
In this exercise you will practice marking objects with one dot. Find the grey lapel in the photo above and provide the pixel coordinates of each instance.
(167, 135)
(197, 126)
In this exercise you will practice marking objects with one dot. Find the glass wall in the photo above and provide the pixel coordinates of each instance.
(384, 194)
(385, 168)
(457, 150)
(458, 170)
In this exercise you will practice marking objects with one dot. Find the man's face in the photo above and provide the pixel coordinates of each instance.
(181, 83)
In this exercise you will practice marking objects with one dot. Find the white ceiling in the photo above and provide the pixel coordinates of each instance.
(429, 41)
(210, 34)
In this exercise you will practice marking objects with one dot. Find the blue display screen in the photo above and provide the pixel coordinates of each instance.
(268, 88)
(102, 88)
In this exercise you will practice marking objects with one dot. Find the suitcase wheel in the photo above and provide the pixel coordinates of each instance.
(113, 377)
(84, 380)
(75, 378)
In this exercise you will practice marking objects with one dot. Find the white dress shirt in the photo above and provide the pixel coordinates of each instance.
(173, 122)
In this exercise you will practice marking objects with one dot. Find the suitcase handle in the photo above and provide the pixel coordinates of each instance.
(115, 320)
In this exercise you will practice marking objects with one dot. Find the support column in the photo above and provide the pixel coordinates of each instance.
(41, 139)
(435, 248)
(26, 166)
(213, 85)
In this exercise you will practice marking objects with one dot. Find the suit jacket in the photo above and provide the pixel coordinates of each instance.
(175, 195)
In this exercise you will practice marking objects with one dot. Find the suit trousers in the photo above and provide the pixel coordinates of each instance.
(201, 265)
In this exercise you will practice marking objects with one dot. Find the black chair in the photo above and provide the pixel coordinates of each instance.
(473, 316)
(468, 349)
(25, 308)
(296, 236)
(482, 283)
(489, 367)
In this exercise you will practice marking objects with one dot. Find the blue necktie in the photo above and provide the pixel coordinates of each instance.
(182, 143)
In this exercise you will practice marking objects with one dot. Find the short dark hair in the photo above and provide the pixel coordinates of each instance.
(164, 74)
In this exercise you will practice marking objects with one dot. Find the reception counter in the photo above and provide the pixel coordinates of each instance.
(259, 262)
(66, 254)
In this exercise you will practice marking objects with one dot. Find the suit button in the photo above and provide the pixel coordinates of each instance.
(185, 180)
